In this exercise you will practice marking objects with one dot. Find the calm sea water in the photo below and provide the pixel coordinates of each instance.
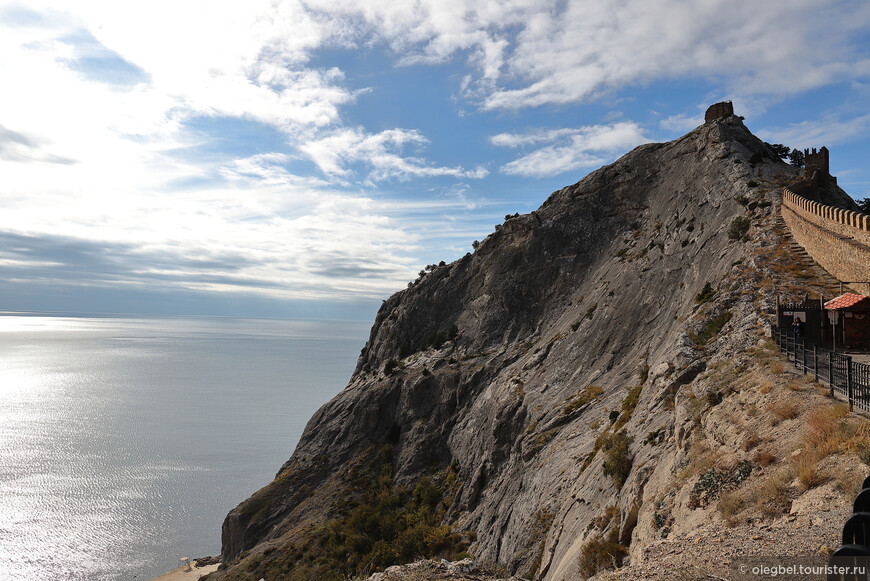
(124, 442)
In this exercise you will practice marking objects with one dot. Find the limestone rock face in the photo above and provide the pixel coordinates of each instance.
(596, 288)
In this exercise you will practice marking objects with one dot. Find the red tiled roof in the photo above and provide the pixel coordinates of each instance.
(845, 301)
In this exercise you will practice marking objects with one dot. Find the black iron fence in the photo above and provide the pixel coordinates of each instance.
(847, 378)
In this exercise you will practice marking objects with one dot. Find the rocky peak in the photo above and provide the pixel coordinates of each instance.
(540, 384)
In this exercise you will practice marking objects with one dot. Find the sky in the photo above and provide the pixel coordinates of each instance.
(306, 158)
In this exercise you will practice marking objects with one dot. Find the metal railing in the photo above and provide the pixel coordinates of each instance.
(846, 378)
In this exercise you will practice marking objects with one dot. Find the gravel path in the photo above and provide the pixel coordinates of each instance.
(714, 551)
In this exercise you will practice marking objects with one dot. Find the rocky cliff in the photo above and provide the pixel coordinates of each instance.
(547, 393)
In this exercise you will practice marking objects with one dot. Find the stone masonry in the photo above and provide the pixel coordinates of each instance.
(837, 239)
(719, 111)
(817, 166)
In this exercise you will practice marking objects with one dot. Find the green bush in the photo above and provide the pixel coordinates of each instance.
(710, 328)
(385, 525)
(618, 461)
(739, 228)
(706, 294)
(391, 366)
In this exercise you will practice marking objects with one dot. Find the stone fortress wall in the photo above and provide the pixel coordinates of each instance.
(837, 239)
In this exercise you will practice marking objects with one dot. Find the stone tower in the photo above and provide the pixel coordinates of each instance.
(817, 168)
(719, 111)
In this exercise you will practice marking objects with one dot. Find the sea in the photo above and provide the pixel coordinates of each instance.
(124, 441)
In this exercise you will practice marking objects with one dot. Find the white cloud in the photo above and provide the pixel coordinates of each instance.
(831, 128)
(381, 151)
(117, 149)
(97, 157)
(569, 149)
(593, 47)
(682, 122)
(532, 53)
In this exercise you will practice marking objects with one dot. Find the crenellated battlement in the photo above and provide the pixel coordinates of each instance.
(836, 238)
(817, 166)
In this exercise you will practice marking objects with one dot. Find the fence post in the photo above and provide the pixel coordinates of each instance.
(804, 354)
(849, 380)
(815, 363)
(831, 372)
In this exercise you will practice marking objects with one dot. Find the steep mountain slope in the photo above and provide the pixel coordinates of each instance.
(541, 386)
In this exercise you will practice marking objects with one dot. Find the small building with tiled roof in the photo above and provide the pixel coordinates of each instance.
(850, 315)
(847, 300)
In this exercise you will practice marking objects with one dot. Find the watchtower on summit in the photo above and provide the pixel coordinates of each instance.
(817, 166)
(719, 111)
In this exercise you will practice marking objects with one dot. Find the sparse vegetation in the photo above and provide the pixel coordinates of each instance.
(710, 329)
(618, 460)
(436, 339)
(583, 397)
(382, 526)
(652, 438)
(392, 365)
(706, 294)
(712, 483)
(538, 535)
(783, 410)
(739, 228)
(602, 552)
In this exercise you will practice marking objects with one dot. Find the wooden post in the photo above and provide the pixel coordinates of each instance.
(815, 364)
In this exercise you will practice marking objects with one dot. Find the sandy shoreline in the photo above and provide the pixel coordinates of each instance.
(185, 574)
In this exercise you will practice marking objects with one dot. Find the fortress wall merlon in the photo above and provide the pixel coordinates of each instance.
(844, 222)
(837, 239)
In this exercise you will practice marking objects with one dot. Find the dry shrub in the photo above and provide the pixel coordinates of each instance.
(830, 430)
(764, 458)
(611, 512)
(765, 387)
(701, 459)
(776, 367)
(807, 469)
(823, 436)
(795, 385)
(752, 440)
(771, 498)
(849, 484)
(774, 496)
(731, 505)
(602, 553)
(784, 410)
